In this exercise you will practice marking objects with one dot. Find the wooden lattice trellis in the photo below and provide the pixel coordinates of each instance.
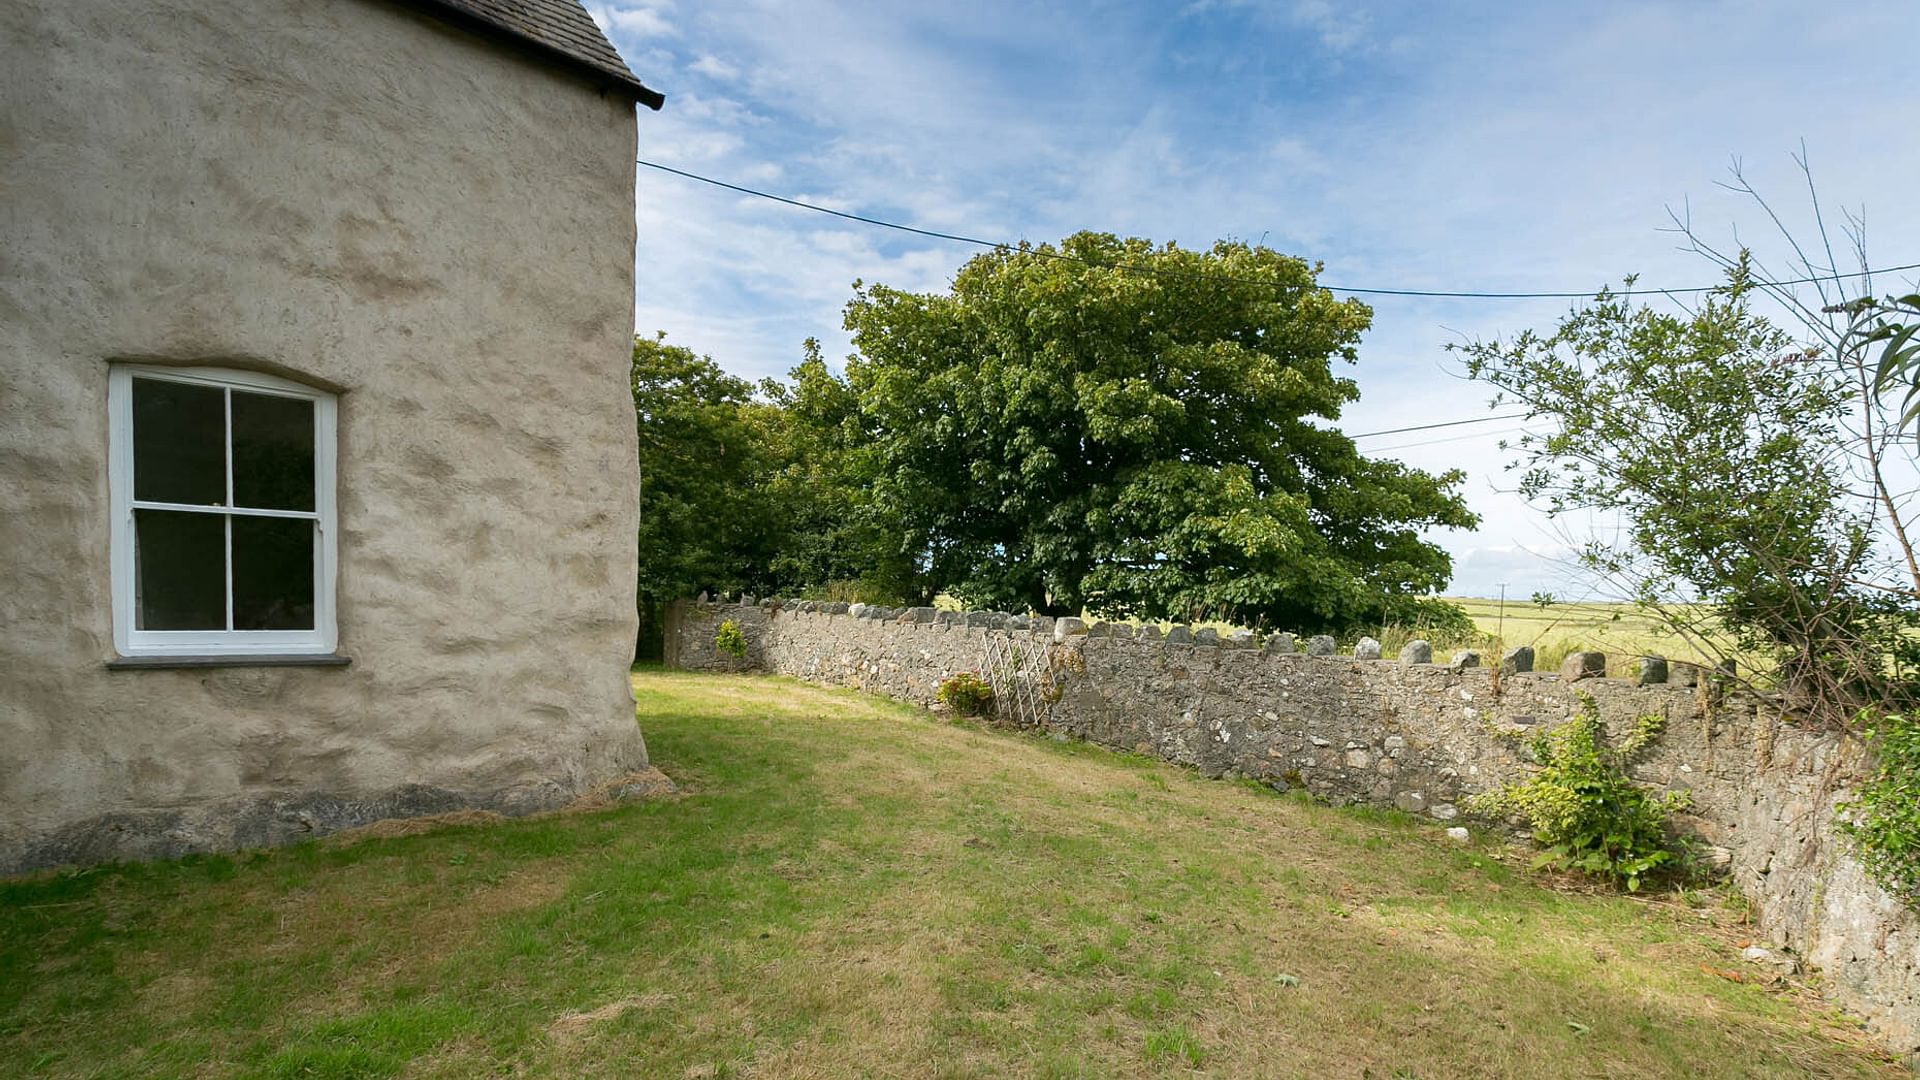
(1017, 668)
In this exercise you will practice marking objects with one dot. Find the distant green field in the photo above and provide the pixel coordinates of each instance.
(1619, 630)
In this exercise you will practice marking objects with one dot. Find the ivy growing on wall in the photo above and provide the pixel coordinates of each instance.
(1884, 818)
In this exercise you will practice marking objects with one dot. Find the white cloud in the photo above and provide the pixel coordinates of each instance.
(1339, 29)
(713, 67)
(631, 20)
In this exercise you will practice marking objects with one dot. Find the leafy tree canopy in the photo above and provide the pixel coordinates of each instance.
(702, 453)
(1722, 446)
(1131, 428)
(757, 488)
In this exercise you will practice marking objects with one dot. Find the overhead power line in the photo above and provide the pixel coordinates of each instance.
(1450, 439)
(1001, 245)
(1444, 423)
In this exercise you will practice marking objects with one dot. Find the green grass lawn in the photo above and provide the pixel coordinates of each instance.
(851, 888)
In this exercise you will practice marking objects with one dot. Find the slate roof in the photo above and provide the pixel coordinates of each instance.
(560, 29)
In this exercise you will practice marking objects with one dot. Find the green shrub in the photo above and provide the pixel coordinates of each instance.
(966, 693)
(1430, 617)
(1884, 819)
(728, 639)
(1583, 807)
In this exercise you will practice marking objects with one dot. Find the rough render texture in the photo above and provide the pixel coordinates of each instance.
(372, 202)
(1418, 737)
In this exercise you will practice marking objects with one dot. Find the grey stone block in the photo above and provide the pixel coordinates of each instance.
(1281, 645)
(1417, 651)
(1651, 671)
(1463, 660)
(1180, 635)
(1147, 632)
(1516, 660)
(1320, 645)
(1583, 665)
(1206, 636)
(1366, 649)
(1067, 627)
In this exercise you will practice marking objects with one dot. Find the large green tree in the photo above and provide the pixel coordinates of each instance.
(834, 537)
(1136, 429)
(763, 488)
(704, 457)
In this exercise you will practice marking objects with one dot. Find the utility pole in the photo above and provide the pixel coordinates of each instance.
(1501, 633)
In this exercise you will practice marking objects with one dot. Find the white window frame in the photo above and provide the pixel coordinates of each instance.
(129, 641)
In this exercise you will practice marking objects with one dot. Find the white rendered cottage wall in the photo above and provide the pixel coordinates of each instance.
(435, 228)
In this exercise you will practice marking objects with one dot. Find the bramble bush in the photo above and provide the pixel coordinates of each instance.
(966, 693)
(1584, 808)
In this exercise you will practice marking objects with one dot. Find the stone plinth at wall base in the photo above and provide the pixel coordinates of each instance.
(272, 820)
(1415, 735)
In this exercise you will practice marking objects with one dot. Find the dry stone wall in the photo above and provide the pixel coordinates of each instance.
(1414, 735)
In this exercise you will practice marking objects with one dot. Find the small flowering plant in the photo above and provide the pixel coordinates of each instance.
(730, 640)
(966, 693)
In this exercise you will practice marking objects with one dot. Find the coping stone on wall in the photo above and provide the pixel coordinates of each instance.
(978, 618)
(1206, 636)
(1241, 639)
(1417, 651)
(1320, 645)
(1583, 665)
(1180, 635)
(839, 608)
(1043, 625)
(1366, 649)
(1019, 622)
(1147, 632)
(856, 610)
(1066, 627)
(1463, 660)
(1650, 671)
(1280, 645)
(1516, 660)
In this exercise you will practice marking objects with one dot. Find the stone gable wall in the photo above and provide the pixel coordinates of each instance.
(1417, 736)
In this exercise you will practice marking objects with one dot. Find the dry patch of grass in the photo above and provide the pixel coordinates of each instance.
(847, 887)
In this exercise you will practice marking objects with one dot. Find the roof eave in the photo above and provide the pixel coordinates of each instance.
(620, 82)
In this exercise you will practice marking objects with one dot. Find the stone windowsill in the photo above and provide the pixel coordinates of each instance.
(137, 663)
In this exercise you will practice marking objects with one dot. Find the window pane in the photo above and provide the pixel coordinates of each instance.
(179, 443)
(180, 570)
(272, 573)
(272, 452)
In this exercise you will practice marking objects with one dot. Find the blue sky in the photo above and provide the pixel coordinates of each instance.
(1491, 147)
